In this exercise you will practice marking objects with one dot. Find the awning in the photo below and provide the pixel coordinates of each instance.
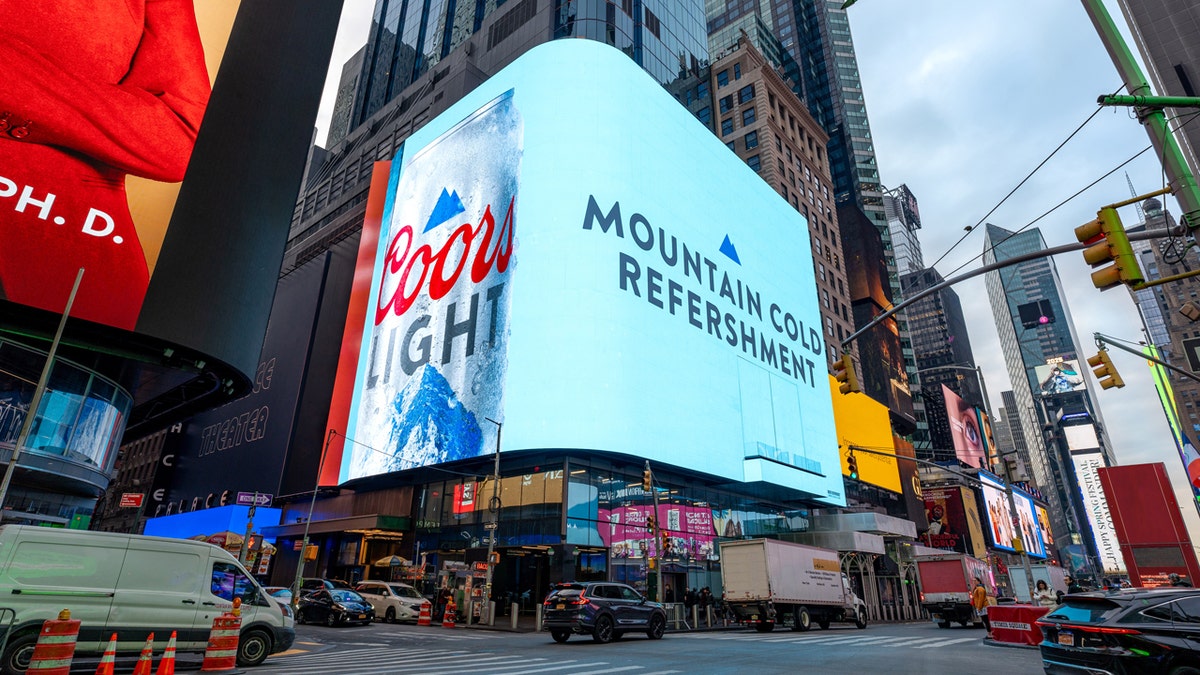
(359, 524)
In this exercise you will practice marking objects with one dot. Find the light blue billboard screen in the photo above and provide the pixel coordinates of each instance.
(579, 260)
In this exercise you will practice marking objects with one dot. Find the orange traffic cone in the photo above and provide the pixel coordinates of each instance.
(55, 646)
(425, 618)
(109, 662)
(143, 662)
(221, 654)
(167, 665)
(448, 615)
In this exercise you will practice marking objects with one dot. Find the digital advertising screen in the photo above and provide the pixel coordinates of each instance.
(965, 428)
(1029, 527)
(531, 289)
(954, 523)
(122, 153)
(999, 515)
(1087, 464)
(1043, 517)
(1059, 377)
(1081, 437)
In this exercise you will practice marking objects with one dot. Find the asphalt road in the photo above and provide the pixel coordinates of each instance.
(894, 649)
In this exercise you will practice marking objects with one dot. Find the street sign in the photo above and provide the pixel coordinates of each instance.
(249, 498)
(132, 500)
(490, 526)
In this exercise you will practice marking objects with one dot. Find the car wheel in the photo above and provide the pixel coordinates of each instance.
(560, 636)
(823, 623)
(19, 653)
(943, 624)
(602, 632)
(390, 617)
(301, 617)
(801, 619)
(860, 619)
(253, 648)
(658, 626)
(331, 619)
(764, 626)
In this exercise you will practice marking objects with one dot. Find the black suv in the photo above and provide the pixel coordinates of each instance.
(601, 609)
(1139, 630)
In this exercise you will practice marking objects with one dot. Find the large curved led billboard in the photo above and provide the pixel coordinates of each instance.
(157, 145)
(581, 261)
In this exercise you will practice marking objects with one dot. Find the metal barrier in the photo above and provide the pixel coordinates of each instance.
(11, 616)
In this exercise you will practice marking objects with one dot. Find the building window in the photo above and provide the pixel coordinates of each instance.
(752, 140)
(652, 24)
(746, 94)
(726, 104)
(705, 115)
(702, 91)
(722, 78)
(730, 146)
(737, 71)
(748, 117)
(754, 163)
(727, 126)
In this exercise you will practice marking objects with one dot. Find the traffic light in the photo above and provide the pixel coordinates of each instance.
(1102, 367)
(843, 372)
(666, 542)
(1109, 244)
(647, 480)
(650, 523)
(852, 465)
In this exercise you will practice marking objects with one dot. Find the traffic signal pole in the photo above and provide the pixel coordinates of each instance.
(1103, 341)
(648, 477)
(1150, 112)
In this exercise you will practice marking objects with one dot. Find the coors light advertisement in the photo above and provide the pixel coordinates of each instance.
(437, 329)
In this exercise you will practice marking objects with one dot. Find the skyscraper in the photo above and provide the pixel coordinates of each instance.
(1052, 397)
(943, 353)
(904, 219)
(420, 58)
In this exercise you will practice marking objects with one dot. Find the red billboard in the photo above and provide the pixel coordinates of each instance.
(122, 153)
(954, 523)
(1150, 529)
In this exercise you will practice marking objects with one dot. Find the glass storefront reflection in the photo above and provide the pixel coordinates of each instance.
(80, 417)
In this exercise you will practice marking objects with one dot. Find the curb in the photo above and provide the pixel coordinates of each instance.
(1008, 645)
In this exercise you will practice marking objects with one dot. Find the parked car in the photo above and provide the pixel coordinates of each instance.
(1142, 630)
(334, 607)
(281, 593)
(601, 609)
(393, 601)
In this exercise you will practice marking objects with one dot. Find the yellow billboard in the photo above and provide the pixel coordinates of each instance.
(863, 421)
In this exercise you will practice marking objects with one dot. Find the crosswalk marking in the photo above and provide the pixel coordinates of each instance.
(946, 643)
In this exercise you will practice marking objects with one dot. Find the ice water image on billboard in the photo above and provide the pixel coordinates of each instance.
(437, 329)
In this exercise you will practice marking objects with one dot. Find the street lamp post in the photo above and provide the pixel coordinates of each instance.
(494, 525)
(307, 522)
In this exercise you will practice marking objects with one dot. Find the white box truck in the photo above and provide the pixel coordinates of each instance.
(132, 586)
(767, 581)
(946, 582)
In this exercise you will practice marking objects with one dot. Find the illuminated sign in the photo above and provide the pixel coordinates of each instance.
(1059, 377)
(1081, 437)
(970, 445)
(954, 522)
(1004, 524)
(863, 421)
(524, 275)
(1096, 504)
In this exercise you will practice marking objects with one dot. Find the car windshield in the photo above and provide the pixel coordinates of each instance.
(341, 595)
(567, 592)
(407, 592)
(1084, 610)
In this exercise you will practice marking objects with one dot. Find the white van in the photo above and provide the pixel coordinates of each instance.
(132, 586)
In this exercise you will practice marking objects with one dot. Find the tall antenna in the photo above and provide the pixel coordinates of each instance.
(1133, 193)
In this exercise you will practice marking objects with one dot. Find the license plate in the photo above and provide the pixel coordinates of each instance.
(1066, 638)
(560, 607)
(362, 616)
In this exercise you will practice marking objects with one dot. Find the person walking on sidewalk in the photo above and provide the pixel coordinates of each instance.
(979, 603)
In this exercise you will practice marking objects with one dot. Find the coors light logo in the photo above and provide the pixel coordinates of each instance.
(438, 348)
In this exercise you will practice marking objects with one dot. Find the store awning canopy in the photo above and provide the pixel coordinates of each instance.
(373, 522)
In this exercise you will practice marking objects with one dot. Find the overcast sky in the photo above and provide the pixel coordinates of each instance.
(964, 100)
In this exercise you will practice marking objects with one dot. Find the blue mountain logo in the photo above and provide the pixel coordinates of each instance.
(729, 251)
(448, 205)
(430, 425)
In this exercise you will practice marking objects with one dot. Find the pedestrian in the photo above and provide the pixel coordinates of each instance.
(979, 602)
(669, 594)
(1043, 596)
(689, 598)
(704, 600)
(1177, 580)
(1073, 586)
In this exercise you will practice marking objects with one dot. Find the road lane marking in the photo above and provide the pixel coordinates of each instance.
(945, 643)
(610, 670)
